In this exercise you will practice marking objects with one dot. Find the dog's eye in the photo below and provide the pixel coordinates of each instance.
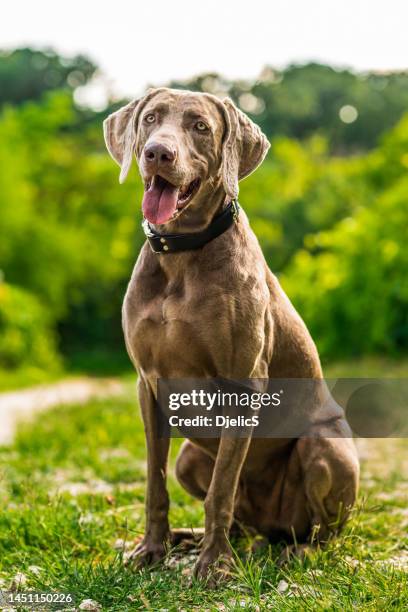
(201, 126)
(150, 118)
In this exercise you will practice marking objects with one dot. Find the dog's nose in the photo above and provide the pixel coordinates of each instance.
(158, 153)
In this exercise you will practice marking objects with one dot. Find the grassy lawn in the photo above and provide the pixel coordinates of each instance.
(367, 367)
(72, 490)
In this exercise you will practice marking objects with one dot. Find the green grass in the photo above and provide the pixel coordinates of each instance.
(73, 483)
(367, 367)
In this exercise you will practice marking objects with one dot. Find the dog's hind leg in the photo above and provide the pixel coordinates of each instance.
(194, 470)
(330, 474)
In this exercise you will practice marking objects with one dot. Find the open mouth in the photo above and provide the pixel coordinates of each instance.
(163, 201)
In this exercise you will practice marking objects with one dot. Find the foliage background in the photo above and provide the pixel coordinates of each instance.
(329, 206)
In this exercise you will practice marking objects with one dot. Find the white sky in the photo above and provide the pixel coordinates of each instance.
(151, 41)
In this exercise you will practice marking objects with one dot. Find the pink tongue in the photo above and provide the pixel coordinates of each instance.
(160, 201)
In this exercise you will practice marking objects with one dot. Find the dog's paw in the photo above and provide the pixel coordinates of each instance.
(213, 565)
(145, 553)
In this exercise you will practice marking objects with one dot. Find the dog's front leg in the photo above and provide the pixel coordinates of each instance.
(153, 547)
(219, 507)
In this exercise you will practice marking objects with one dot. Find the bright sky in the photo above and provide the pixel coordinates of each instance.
(137, 42)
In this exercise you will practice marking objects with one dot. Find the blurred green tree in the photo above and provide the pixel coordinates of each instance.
(27, 337)
(26, 74)
(350, 282)
(68, 232)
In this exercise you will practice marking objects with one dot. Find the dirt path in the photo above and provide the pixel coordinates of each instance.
(17, 406)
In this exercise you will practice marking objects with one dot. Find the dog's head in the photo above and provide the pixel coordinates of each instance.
(186, 144)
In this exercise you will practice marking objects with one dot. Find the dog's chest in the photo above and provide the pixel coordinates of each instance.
(188, 327)
(168, 329)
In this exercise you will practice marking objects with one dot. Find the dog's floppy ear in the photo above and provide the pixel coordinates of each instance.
(120, 131)
(244, 147)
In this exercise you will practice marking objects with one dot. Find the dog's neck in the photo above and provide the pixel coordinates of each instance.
(173, 265)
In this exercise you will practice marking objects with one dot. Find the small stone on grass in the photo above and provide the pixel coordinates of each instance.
(91, 605)
(282, 587)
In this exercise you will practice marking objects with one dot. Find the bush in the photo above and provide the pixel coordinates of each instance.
(352, 292)
(26, 337)
(68, 228)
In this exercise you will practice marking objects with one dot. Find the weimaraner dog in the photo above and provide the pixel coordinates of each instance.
(216, 310)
